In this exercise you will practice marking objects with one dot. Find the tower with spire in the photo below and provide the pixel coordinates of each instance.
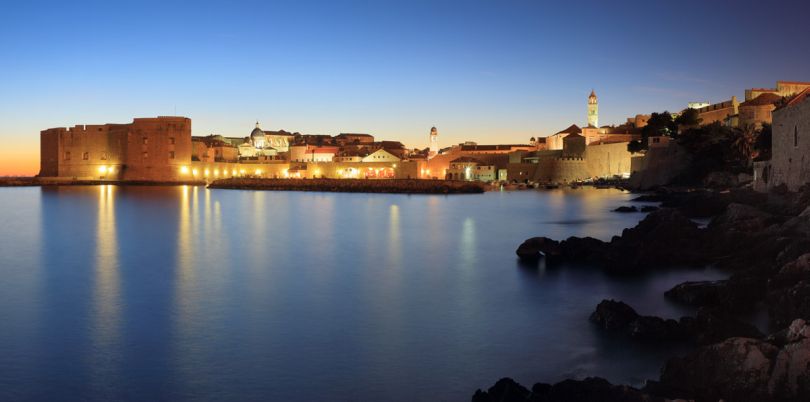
(593, 110)
(434, 143)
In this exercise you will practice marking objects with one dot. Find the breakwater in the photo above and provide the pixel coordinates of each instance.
(406, 186)
(36, 181)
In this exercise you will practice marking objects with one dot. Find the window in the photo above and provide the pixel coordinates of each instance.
(67, 156)
(86, 156)
(171, 140)
(796, 136)
(171, 154)
(104, 156)
(145, 155)
(145, 140)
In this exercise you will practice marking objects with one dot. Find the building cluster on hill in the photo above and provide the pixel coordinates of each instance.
(163, 149)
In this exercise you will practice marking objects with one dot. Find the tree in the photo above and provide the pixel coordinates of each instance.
(689, 118)
(763, 143)
(635, 146)
(742, 142)
(659, 124)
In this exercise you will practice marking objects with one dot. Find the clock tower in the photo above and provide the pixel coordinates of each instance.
(434, 143)
(593, 110)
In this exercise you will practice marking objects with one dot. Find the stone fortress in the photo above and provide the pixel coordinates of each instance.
(162, 149)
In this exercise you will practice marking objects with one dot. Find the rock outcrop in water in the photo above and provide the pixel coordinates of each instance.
(664, 238)
(589, 389)
(763, 241)
(706, 327)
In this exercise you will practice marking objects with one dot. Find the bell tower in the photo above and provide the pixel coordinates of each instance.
(593, 110)
(434, 143)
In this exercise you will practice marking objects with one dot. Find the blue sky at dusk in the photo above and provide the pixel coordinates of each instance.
(486, 71)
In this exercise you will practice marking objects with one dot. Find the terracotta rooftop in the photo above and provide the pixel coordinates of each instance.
(571, 130)
(798, 98)
(763, 99)
(491, 147)
(465, 159)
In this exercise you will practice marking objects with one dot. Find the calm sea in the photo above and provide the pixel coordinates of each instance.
(182, 293)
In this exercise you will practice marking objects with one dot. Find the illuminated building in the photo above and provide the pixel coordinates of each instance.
(148, 149)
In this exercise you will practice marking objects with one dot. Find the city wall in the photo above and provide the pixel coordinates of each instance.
(790, 163)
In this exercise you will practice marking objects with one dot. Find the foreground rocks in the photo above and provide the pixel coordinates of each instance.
(743, 369)
(589, 389)
(763, 241)
(706, 327)
(664, 238)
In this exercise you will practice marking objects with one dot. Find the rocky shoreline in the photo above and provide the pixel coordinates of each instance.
(761, 240)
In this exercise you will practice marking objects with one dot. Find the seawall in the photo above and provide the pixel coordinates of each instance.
(405, 186)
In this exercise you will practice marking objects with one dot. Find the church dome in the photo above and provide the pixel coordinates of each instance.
(257, 132)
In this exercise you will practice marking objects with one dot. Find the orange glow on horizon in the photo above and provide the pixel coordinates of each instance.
(16, 162)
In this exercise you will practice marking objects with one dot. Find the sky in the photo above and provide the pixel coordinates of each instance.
(494, 71)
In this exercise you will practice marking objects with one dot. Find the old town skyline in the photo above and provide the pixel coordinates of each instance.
(481, 73)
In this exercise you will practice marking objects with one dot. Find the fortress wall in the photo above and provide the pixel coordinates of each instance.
(82, 152)
(560, 170)
(790, 160)
(607, 160)
(150, 143)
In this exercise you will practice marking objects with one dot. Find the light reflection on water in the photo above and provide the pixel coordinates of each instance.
(187, 293)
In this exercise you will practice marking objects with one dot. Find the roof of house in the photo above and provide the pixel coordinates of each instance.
(341, 135)
(572, 129)
(465, 159)
(498, 147)
(798, 98)
(354, 152)
(763, 99)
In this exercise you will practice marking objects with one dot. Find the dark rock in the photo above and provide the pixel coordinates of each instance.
(613, 315)
(737, 369)
(787, 304)
(712, 325)
(649, 198)
(536, 247)
(505, 390)
(651, 328)
(589, 389)
(625, 209)
(663, 238)
(740, 217)
(791, 273)
(583, 249)
(708, 326)
(649, 208)
(702, 293)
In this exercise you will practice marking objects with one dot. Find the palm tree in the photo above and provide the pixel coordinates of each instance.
(743, 142)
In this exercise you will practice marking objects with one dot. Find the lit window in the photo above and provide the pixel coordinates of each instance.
(86, 156)
(104, 156)
(145, 155)
(145, 140)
